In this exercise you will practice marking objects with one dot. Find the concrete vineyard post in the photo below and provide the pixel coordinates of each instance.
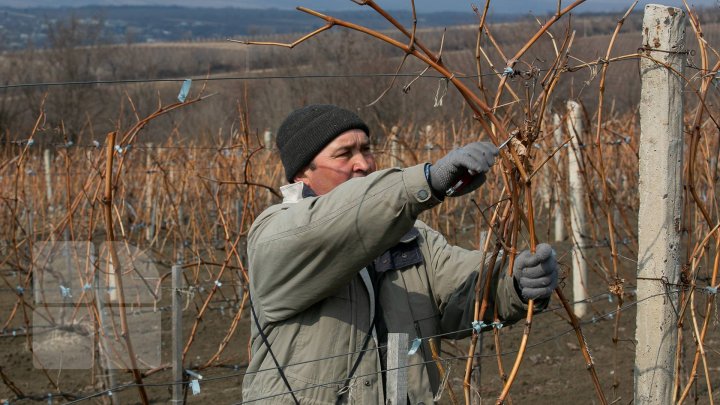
(177, 336)
(660, 192)
(48, 179)
(577, 208)
(556, 205)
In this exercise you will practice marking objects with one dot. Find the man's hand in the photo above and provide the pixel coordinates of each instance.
(469, 163)
(536, 274)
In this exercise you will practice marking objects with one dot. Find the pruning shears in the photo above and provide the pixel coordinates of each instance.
(468, 176)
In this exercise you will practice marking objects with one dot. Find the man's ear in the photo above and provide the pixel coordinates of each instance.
(303, 175)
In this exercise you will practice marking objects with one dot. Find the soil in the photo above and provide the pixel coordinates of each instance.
(553, 369)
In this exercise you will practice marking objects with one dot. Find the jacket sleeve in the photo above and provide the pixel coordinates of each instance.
(301, 253)
(453, 275)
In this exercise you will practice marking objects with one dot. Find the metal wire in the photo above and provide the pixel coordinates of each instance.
(606, 315)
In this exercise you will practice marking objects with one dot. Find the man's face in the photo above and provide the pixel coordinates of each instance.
(347, 156)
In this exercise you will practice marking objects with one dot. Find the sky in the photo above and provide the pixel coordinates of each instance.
(501, 6)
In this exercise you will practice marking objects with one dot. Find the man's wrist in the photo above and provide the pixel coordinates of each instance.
(439, 195)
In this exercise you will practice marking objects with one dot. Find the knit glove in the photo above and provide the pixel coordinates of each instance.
(536, 274)
(468, 163)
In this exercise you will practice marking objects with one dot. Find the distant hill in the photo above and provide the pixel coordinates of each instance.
(32, 25)
(20, 27)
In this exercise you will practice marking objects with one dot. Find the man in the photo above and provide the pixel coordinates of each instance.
(343, 261)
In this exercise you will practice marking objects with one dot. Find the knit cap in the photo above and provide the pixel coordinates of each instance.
(306, 131)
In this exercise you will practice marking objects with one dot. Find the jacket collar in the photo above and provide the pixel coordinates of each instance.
(406, 253)
(295, 192)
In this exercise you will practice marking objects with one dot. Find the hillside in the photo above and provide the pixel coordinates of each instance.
(20, 28)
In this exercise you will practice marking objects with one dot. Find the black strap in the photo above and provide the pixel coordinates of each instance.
(376, 320)
(346, 384)
(267, 344)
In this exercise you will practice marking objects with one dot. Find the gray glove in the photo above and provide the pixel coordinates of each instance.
(468, 163)
(536, 274)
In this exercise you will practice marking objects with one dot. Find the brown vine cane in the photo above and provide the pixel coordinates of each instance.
(107, 202)
(476, 104)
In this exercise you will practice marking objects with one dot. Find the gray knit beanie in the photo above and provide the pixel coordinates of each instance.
(306, 131)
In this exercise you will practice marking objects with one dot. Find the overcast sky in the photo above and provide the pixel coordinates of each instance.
(502, 6)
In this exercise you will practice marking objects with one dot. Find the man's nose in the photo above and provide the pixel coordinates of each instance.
(361, 163)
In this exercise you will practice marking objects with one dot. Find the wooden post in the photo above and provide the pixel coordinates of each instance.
(394, 147)
(660, 190)
(177, 336)
(267, 138)
(577, 207)
(149, 206)
(397, 356)
(557, 205)
(476, 399)
(428, 144)
(106, 330)
(48, 179)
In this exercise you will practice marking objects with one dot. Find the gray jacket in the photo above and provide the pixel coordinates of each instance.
(315, 301)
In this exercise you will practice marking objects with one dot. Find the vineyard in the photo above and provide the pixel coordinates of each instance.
(123, 252)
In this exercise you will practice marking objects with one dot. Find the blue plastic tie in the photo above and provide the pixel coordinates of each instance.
(478, 325)
(195, 384)
(96, 143)
(118, 149)
(184, 90)
(65, 292)
(218, 283)
(497, 325)
(508, 72)
(711, 290)
(87, 286)
(20, 290)
(414, 346)
(30, 142)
